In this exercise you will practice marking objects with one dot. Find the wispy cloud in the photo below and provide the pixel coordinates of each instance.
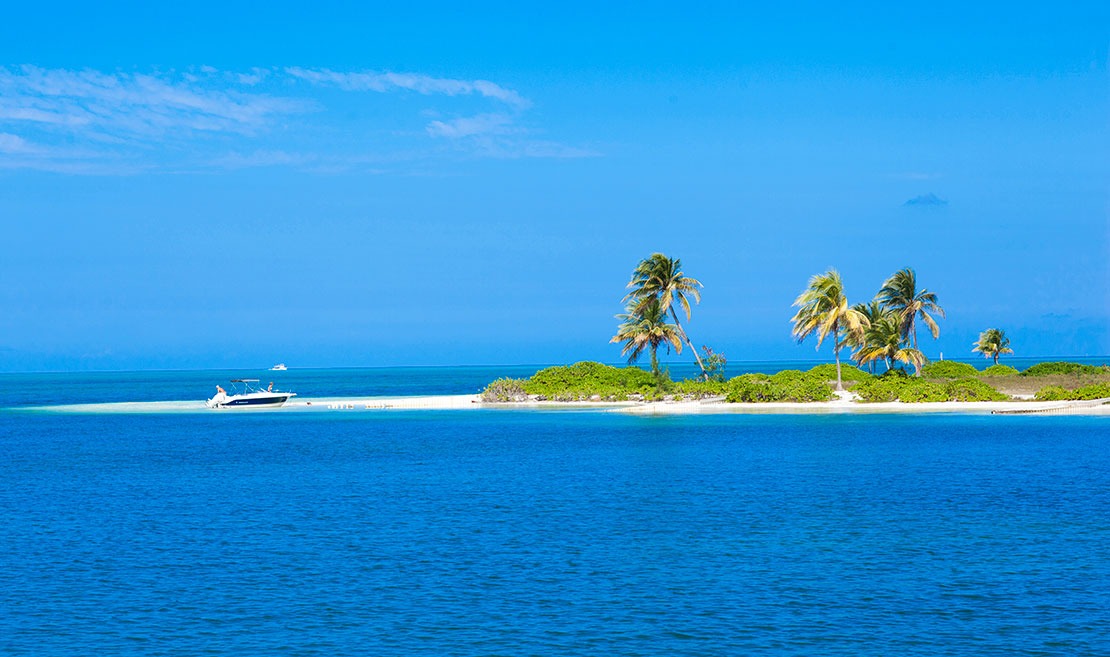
(136, 104)
(926, 200)
(483, 124)
(202, 117)
(422, 84)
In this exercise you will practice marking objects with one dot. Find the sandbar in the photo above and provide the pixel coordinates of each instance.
(681, 407)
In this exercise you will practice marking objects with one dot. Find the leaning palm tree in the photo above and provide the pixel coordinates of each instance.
(645, 326)
(992, 344)
(883, 341)
(659, 277)
(823, 309)
(900, 294)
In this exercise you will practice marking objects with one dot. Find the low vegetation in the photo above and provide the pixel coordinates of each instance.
(827, 371)
(1054, 368)
(1059, 393)
(581, 381)
(914, 390)
(940, 381)
(948, 369)
(786, 386)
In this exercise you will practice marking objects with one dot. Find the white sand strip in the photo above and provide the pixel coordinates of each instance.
(842, 406)
(703, 407)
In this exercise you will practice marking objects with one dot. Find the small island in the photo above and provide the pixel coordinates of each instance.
(882, 332)
(944, 385)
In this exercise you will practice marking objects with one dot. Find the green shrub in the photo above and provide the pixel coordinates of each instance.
(881, 389)
(827, 372)
(999, 370)
(698, 389)
(912, 390)
(1056, 393)
(948, 369)
(786, 386)
(1061, 367)
(918, 390)
(968, 390)
(1093, 391)
(585, 379)
(1052, 393)
(896, 373)
(505, 390)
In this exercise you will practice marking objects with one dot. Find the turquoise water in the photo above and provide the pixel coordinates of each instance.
(516, 533)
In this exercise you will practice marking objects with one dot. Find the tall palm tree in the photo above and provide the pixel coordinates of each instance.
(992, 344)
(900, 294)
(823, 309)
(659, 277)
(883, 341)
(645, 326)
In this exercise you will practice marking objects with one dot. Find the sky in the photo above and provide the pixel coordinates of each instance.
(353, 184)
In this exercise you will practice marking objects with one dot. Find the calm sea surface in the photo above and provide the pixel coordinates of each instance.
(486, 532)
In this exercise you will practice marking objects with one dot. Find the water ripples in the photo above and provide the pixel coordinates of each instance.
(518, 533)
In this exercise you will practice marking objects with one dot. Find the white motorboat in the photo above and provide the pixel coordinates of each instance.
(280, 367)
(246, 395)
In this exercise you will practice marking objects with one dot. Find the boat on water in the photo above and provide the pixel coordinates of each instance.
(280, 367)
(246, 394)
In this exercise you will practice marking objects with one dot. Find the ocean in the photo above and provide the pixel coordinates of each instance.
(568, 532)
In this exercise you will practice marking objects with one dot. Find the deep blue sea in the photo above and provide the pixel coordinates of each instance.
(494, 532)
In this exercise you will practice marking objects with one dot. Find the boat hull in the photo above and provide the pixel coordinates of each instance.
(252, 400)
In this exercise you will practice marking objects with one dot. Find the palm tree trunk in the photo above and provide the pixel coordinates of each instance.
(682, 332)
(654, 362)
(836, 354)
(996, 358)
(916, 365)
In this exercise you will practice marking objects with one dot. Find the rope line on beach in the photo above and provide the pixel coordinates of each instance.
(1055, 409)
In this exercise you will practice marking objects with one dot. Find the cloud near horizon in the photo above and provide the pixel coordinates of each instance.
(88, 121)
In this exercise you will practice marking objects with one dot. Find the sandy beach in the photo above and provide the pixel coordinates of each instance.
(711, 406)
(699, 407)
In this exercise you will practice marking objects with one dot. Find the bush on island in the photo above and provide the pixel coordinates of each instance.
(786, 386)
(586, 379)
(948, 369)
(999, 370)
(505, 390)
(882, 389)
(827, 372)
(969, 390)
(913, 390)
(1093, 391)
(697, 389)
(1057, 393)
(1051, 393)
(1060, 367)
(919, 391)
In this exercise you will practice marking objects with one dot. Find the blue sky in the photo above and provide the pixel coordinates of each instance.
(236, 185)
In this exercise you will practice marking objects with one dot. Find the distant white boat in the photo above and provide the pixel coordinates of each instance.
(280, 367)
(247, 396)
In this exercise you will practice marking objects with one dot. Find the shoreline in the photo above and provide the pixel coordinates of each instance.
(715, 406)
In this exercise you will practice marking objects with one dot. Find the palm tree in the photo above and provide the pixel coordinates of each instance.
(873, 312)
(645, 326)
(992, 344)
(883, 341)
(823, 309)
(659, 277)
(899, 293)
